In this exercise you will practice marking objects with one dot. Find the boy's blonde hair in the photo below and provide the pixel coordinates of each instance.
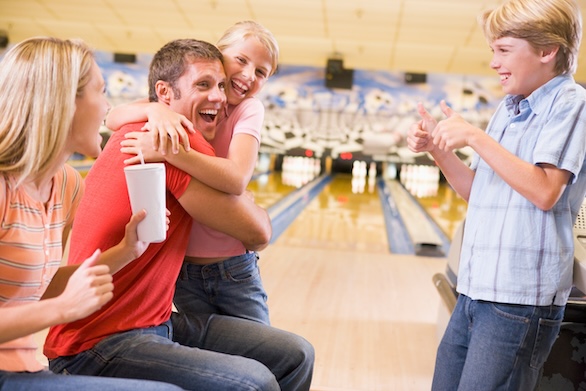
(39, 81)
(542, 23)
(249, 28)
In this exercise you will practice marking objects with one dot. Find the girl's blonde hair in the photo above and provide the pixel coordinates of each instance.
(39, 81)
(542, 23)
(248, 28)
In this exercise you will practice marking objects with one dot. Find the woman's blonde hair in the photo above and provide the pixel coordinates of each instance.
(39, 81)
(542, 23)
(248, 28)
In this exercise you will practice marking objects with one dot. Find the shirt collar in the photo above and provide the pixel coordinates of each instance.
(539, 99)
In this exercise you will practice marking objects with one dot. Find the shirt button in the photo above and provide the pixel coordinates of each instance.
(512, 126)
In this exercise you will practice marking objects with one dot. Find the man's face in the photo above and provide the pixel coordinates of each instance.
(202, 96)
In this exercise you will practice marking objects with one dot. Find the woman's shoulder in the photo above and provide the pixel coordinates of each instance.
(69, 173)
(70, 182)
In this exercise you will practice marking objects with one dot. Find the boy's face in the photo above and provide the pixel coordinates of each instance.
(522, 68)
(248, 66)
(202, 95)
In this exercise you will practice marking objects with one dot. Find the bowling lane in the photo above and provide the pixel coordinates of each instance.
(269, 188)
(345, 215)
(447, 208)
(370, 314)
(435, 196)
(444, 206)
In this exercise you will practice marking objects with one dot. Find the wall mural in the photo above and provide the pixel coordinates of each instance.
(369, 120)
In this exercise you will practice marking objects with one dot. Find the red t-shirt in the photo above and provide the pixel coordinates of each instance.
(143, 290)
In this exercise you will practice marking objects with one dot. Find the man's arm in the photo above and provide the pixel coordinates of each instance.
(237, 216)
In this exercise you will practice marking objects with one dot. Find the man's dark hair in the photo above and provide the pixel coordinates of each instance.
(169, 63)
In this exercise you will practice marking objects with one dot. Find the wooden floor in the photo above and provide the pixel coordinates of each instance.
(371, 316)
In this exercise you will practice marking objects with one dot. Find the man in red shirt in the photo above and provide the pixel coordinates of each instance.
(136, 335)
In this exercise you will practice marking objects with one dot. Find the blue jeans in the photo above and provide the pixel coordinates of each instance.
(231, 287)
(493, 346)
(45, 380)
(212, 352)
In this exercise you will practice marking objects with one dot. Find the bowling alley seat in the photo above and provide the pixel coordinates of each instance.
(565, 368)
(445, 283)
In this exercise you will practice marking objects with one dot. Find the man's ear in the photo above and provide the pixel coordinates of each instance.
(164, 91)
(549, 54)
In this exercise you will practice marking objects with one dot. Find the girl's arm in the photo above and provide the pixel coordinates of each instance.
(162, 122)
(230, 175)
(127, 113)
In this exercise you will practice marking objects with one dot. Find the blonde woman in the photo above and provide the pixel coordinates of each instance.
(51, 105)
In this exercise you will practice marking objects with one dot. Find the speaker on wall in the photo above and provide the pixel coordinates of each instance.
(3, 39)
(337, 76)
(125, 58)
(414, 78)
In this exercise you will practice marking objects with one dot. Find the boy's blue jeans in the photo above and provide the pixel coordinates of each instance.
(230, 287)
(201, 353)
(492, 346)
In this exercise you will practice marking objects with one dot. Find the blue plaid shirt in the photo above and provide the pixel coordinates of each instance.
(512, 251)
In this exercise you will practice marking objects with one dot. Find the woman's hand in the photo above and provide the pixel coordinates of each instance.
(134, 247)
(88, 289)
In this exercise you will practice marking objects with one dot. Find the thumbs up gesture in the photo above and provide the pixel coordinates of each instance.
(453, 132)
(419, 136)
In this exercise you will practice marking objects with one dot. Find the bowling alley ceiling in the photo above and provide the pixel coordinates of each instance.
(433, 36)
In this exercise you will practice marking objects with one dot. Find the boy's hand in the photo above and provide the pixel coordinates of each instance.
(419, 135)
(452, 132)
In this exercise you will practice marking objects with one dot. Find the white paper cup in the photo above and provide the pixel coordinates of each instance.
(146, 189)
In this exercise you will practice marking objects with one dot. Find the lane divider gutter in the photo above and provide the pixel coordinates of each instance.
(286, 210)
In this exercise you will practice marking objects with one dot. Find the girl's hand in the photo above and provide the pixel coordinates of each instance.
(140, 141)
(164, 124)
